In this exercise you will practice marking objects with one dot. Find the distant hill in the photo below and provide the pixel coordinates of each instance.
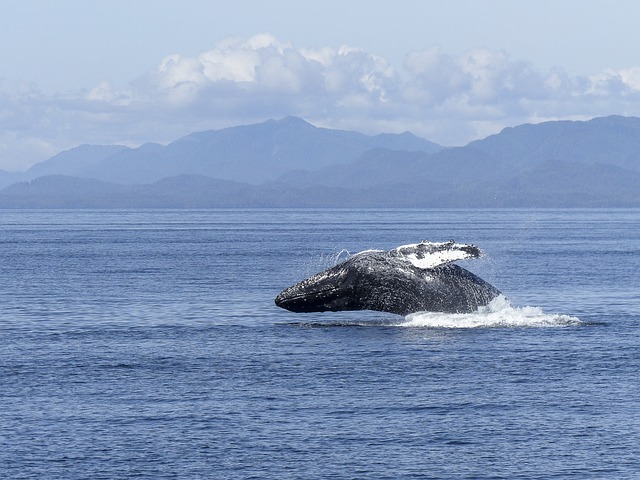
(291, 163)
(611, 141)
(249, 153)
(593, 163)
(182, 191)
(7, 178)
(76, 162)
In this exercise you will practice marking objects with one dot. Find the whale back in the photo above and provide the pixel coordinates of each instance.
(391, 285)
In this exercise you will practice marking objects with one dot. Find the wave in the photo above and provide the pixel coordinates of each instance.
(499, 313)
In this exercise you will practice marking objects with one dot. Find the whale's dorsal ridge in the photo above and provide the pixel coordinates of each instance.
(427, 255)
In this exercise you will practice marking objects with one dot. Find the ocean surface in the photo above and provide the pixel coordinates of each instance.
(146, 344)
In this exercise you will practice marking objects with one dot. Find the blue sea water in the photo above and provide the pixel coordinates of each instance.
(145, 344)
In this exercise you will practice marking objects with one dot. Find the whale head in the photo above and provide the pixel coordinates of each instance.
(335, 289)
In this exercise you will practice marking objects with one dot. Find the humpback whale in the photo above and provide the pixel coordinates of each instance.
(410, 278)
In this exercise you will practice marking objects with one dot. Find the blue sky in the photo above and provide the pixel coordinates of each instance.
(74, 72)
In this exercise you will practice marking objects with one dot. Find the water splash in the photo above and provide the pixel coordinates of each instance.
(341, 256)
(499, 313)
(333, 259)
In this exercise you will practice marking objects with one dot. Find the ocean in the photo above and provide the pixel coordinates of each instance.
(146, 344)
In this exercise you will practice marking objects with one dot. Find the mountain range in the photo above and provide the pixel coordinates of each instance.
(291, 163)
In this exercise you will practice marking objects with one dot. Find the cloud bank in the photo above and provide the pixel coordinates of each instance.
(449, 99)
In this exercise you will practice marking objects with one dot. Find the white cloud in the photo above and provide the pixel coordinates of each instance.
(450, 99)
(263, 66)
(615, 82)
(631, 78)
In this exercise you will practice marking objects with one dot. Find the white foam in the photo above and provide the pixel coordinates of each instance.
(434, 259)
(499, 313)
(427, 255)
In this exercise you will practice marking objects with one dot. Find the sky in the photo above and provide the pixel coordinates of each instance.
(129, 72)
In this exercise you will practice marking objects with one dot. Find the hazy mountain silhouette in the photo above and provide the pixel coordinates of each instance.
(613, 140)
(76, 162)
(292, 163)
(182, 191)
(593, 163)
(249, 153)
(605, 141)
(7, 178)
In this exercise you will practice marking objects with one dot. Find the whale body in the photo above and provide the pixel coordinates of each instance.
(410, 278)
